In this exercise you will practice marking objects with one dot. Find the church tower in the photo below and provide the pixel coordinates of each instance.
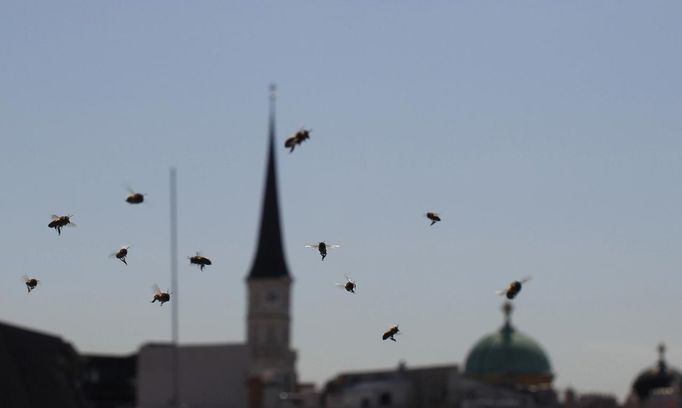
(269, 298)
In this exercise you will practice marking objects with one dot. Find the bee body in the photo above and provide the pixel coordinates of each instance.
(297, 139)
(322, 247)
(434, 217)
(31, 283)
(514, 288)
(349, 285)
(162, 297)
(199, 260)
(121, 254)
(135, 198)
(60, 221)
(392, 331)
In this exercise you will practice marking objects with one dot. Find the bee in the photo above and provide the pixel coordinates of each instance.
(60, 221)
(514, 288)
(31, 283)
(199, 260)
(121, 254)
(434, 217)
(323, 247)
(297, 139)
(349, 285)
(392, 331)
(134, 198)
(162, 297)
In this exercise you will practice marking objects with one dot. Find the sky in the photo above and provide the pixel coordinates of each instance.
(546, 134)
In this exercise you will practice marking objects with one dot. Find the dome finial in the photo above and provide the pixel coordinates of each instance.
(507, 308)
(661, 357)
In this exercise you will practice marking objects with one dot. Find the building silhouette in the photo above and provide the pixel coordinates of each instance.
(659, 386)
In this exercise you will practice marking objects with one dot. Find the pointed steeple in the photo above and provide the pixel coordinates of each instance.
(269, 261)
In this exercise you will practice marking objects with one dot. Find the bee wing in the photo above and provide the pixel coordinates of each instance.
(54, 217)
(71, 224)
(501, 292)
(340, 285)
(333, 246)
(113, 254)
(25, 278)
(156, 289)
(126, 247)
(312, 246)
(526, 279)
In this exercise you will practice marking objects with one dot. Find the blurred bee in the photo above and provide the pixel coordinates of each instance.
(514, 288)
(199, 260)
(60, 221)
(322, 247)
(162, 297)
(434, 217)
(121, 254)
(134, 198)
(392, 331)
(297, 139)
(349, 285)
(31, 283)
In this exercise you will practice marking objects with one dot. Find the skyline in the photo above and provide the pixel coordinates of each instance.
(545, 136)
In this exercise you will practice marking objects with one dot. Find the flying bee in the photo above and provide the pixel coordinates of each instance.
(323, 247)
(121, 254)
(434, 217)
(199, 260)
(297, 139)
(134, 198)
(514, 288)
(349, 285)
(392, 331)
(162, 297)
(60, 221)
(31, 283)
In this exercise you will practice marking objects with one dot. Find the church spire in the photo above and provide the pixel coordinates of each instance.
(269, 262)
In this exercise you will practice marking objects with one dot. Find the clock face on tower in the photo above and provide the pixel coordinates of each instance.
(272, 298)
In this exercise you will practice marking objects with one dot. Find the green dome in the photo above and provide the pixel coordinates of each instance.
(508, 356)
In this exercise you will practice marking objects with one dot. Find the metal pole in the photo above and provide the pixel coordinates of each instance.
(175, 402)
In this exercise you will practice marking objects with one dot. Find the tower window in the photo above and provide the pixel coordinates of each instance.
(385, 399)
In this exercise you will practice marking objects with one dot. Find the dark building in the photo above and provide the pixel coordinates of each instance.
(109, 381)
(657, 386)
(402, 388)
(38, 370)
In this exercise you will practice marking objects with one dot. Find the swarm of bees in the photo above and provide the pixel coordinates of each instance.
(31, 283)
(434, 217)
(200, 260)
(121, 254)
(514, 288)
(60, 221)
(162, 297)
(349, 285)
(298, 138)
(323, 247)
(392, 331)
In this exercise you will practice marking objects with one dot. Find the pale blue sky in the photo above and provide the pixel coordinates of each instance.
(546, 133)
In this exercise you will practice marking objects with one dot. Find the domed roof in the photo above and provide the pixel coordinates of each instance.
(659, 376)
(508, 356)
